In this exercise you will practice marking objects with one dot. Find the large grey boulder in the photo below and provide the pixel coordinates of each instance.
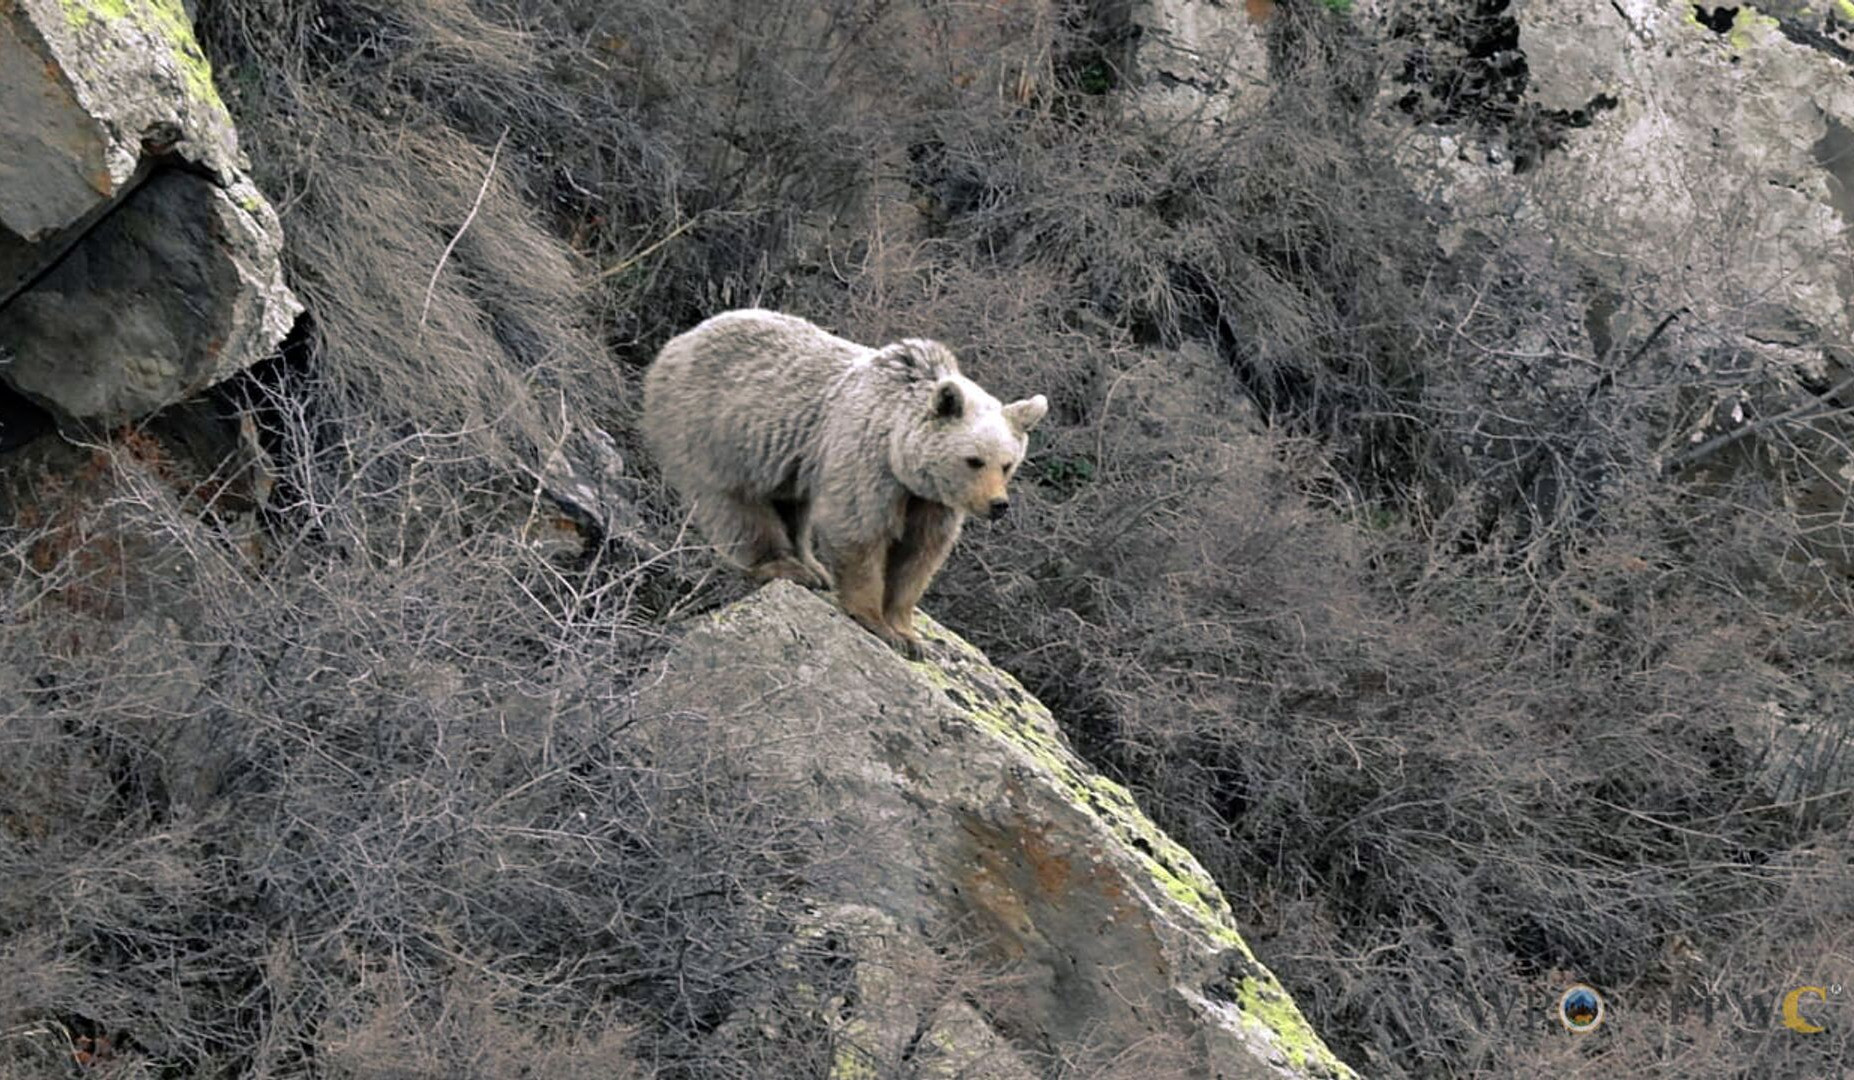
(138, 264)
(993, 832)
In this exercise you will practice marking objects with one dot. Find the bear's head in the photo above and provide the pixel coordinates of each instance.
(961, 449)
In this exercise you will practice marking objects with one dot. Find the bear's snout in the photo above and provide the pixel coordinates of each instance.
(999, 507)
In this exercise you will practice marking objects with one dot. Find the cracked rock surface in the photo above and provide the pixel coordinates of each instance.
(1198, 63)
(138, 264)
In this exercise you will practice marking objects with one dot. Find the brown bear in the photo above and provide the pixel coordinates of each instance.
(789, 440)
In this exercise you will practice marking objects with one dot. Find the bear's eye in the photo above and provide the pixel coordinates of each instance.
(977, 463)
(1008, 467)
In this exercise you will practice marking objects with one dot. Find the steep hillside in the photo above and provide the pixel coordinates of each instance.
(1439, 531)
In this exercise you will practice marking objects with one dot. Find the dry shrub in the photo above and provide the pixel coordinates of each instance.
(374, 814)
(1441, 673)
(397, 141)
(372, 818)
(366, 805)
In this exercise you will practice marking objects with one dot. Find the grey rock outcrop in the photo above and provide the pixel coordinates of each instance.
(1691, 164)
(1689, 160)
(1113, 936)
(585, 475)
(1196, 63)
(138, 264)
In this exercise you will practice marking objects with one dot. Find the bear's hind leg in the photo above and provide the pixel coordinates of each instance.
(752, 535)
(798, 526)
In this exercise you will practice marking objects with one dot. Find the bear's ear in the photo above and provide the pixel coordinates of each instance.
(1024, 414)
(948, 402)
(916, 359)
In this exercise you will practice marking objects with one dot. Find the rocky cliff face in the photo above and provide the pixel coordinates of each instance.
(971, 819)
(1685, 157)
(138, 264)
(1193, 62)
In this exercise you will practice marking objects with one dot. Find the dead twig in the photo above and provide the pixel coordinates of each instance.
(468, 218)
(627, 263)
(1813, 409)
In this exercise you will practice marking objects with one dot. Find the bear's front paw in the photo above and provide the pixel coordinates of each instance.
(791, 570)
(826, 583)
(905, 644)
(906, 641)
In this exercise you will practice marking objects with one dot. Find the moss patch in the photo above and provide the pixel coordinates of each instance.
(81, 13)
(1749, 27)
(164, 22)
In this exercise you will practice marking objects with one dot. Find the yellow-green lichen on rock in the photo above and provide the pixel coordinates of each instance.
(1264, 1002)
(1008, 711)
(81, 13)
(996, 702)
(126, 49)
(169, 19)
(1749, 27)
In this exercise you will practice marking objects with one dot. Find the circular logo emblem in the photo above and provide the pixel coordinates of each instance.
(1580, 1010)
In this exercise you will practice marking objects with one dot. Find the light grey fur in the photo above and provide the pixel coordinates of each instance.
(790, 441)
